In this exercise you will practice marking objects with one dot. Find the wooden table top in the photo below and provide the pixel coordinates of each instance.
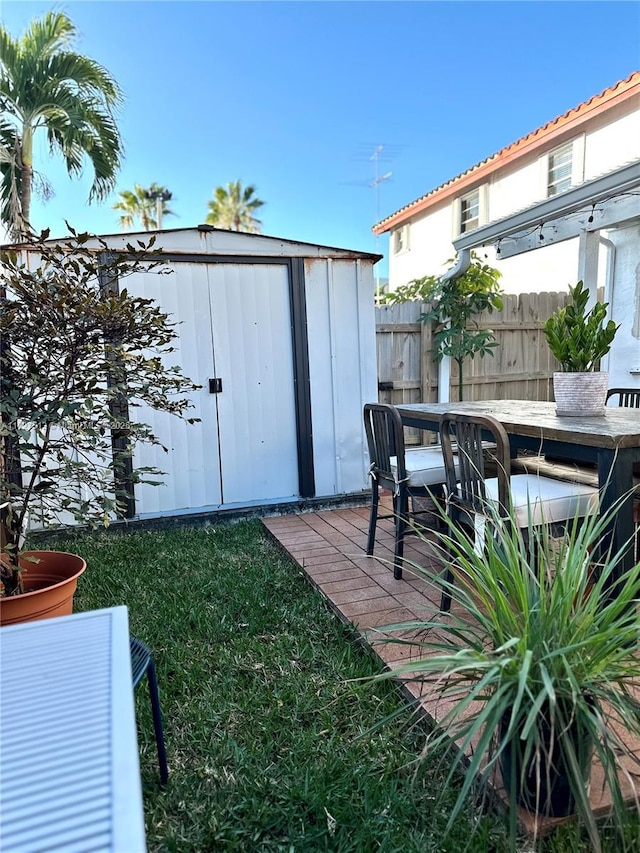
(617, 428)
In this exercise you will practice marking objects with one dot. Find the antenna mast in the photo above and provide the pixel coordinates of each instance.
(378, 179)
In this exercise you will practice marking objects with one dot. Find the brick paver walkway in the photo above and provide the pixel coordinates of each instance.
(330, 547)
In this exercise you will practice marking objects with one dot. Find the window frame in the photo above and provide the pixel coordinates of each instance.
(470, 203)
(482, 202)
(402, 239)
(565, 160)
(576, 147)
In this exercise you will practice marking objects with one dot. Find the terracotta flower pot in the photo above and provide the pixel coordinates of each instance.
(50, 584)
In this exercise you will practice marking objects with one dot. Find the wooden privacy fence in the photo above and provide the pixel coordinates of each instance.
(521, 367)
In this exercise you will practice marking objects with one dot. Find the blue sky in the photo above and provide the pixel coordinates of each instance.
(295, 97)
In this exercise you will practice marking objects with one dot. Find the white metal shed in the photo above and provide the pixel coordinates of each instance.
(281, 335)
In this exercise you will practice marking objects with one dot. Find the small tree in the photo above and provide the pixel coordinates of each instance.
(78, 354)
(453, 305)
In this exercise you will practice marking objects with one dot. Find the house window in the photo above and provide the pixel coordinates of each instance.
(401, 239)
(470, 211)
(560, 170)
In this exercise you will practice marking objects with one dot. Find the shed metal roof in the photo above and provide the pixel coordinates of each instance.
(205, 239)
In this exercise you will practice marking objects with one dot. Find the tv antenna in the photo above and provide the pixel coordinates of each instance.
(381, 153)
(378, 179)
(375, 184)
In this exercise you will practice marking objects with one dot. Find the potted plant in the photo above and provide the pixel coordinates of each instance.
(536, 666)
(78, 355)
(579, 339)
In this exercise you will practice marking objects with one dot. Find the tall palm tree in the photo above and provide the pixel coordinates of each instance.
(44, 85)
(233, 208)
(143, 204)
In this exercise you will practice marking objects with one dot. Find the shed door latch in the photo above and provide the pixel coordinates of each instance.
(215, 385)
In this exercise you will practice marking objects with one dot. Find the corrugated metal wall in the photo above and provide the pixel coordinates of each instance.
(342, 365)
(250, 307)
(234, 325)
(192, 464)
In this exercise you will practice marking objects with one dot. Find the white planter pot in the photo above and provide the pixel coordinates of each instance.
(580, 395)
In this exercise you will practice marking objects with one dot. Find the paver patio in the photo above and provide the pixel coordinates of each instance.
(330, 547)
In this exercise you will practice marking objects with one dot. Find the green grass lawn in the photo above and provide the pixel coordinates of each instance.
(268, 729)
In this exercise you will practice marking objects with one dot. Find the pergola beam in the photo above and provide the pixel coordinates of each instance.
(613, 214)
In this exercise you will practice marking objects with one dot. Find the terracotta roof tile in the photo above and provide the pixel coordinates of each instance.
(620, 91)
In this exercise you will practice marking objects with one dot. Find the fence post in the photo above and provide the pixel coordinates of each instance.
(428, 364)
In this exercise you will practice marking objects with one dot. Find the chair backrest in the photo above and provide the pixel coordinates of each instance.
(627, 397)
(463, 435)
(385, 439)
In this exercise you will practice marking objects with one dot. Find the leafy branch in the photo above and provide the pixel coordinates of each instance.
(78, 358)
(454, 303)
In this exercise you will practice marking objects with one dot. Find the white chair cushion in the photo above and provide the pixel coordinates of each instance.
(545, 499)
(425, 466)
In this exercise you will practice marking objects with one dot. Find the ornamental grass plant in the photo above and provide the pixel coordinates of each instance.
(534, 649)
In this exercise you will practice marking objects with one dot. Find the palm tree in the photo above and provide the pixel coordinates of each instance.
(44, 85)
(233, 208)
(148, 204)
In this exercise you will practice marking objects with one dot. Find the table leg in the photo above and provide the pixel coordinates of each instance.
(615, 479)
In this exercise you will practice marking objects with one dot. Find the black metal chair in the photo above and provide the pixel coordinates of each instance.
(525, 498)
(627, 397)
(141, 663)
(630, 398)
(407, 473)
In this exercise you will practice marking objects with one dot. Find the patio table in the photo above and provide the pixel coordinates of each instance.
(69, 769)
(611, 441)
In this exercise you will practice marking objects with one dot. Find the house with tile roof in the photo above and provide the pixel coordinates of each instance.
(595, 138)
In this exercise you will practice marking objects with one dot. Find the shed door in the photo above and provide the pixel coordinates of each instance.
(253, 357)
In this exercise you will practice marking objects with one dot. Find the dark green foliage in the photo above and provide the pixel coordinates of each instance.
(73, 353)
(579, 338)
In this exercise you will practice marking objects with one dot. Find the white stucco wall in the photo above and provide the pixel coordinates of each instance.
(553, 268)
(624, 296)
(430, 247)
(612, 145)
